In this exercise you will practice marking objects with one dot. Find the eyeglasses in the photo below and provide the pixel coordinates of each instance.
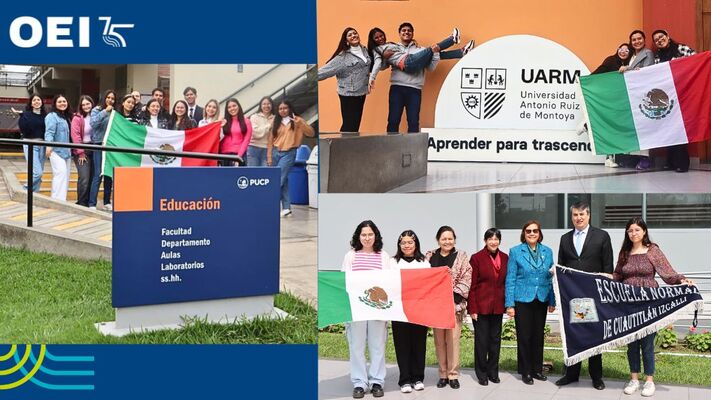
(658, 39)
(532, 230)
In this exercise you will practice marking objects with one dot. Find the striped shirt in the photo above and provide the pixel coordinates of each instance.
(367, 261)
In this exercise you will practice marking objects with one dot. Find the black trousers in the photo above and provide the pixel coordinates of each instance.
(351, 112)
(594, 366)
(530, 322)
(487, 345)
(678, 156)
(410, 344)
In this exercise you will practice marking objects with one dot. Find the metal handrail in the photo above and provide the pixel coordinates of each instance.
(32, 143)
(250, 83)
(282, 88)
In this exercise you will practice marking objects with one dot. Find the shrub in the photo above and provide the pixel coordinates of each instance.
(698, 341)
(666, 338)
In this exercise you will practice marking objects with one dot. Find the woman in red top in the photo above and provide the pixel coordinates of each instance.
(639, 261)
(237, 130)
(486, 305)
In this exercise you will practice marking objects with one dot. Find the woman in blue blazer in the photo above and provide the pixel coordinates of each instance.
(529, 291)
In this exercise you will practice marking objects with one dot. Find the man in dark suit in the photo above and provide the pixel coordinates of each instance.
(588, 249)
(194, 110)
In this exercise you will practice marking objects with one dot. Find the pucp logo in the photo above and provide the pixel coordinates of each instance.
(243, 182)
(656, 104)
(493, 81)
(42, 368)
(59, 32)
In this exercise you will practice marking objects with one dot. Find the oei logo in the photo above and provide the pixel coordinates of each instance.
(27, 32)
(243, 182)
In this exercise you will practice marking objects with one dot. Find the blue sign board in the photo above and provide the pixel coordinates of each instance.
(190, 234)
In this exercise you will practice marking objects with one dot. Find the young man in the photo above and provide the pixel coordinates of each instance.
(588, 249)
(194, 110)
(406, 88)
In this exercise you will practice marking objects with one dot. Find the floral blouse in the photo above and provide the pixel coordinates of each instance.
(639, 270)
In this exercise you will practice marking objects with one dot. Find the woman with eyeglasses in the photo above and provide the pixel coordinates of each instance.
(447, 340)
(639, 261)
(410, 340)
(366, 254)
(529, 293)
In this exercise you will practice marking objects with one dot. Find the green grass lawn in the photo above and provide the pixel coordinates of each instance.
(669, 369)
(52, 299)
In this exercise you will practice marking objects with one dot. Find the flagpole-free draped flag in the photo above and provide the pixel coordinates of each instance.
(122, 133)
(657, 106)
(420, 296)
(597, 313)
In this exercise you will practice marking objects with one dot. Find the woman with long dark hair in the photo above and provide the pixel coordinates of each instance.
(262, 122)
(447, 340)
(486, 305)
(410, 340)
(127, 108)
(99, 121)
(81, 133)
(639, 261)
(288, 132)
(31, 124)
(179, 120)
(350, 64)
(366, 254)
(153, 117)
(237, 132)
(57, 124)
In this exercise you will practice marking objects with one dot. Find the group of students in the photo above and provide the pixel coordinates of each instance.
(629, 57)
(269, 137)
(489, 284)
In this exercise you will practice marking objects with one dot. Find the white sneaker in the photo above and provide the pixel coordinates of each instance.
(285, 212)
(469, 46)
(419, 386)
(648, 389)
(610, 163)
(92, 208)
(406, 388)
(455, 35)
(108, 207)
(631, 387)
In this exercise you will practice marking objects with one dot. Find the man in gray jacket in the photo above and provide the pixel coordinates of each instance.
(406, 88)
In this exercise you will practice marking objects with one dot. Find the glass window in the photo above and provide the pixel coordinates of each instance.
(511, 211)
(679, 210)
(608, 210)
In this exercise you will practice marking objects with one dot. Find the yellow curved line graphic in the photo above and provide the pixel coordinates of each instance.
(10, 353)
(32, 372)
(19, 365)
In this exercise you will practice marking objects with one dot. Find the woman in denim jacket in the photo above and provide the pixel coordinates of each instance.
(99, 120)
(57, 131)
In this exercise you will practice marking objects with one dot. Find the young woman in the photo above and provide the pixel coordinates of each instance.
(32, 127)
(639, 261)
(99, 120)
(350, 64)
(410, 340)
(529, 291)
(127, 108)
(152, 116)
(447, 340)
(486, 305)
(179, 120)
(211, 113)
(261, 126)
(81, 133)
(288, 132)
(366, 254)
(57, 130)
(237, 132)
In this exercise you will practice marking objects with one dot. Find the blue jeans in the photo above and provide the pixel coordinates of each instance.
(37, 166)
(646, 345)
(419, 60)
(284, 160)
(408, 98)
(95, 156)
(256, 156)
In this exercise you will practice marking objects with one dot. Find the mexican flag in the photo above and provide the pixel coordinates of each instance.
(421, 296)
(122, 133)
(657, 106)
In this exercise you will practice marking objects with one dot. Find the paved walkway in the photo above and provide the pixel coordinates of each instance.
(553, 178)
(298, 232)
(334, 383)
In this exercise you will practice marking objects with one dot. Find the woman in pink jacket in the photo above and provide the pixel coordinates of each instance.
(81, 133)
(237, 131)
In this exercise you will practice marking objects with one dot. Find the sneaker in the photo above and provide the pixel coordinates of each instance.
(456, 35)
(358, 392)
(406, 388)
(419, 386)
(631, 387)
(286, 212)
(92, 208)
(108, 207)
(610, 163)
(468, 47)
(648, 389)
(377, 390)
